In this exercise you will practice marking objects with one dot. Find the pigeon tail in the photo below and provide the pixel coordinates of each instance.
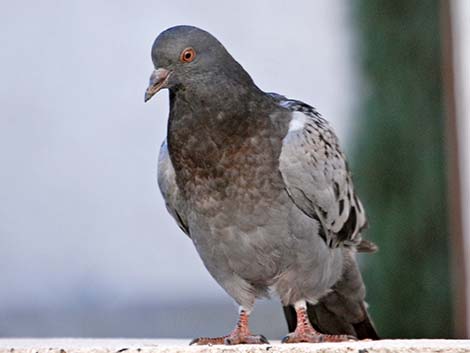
(328, 322)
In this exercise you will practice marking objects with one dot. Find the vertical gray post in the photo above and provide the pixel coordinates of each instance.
(455, 149)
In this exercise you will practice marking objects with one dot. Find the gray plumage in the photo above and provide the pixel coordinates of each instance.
(260, 185)
(167, 183)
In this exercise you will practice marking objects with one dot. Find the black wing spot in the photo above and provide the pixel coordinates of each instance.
(336, 190)
(341, 206)
(325, 141)
(324, 214)
(349, 226)
(321, 230)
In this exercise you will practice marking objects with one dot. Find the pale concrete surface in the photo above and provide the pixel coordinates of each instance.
(181, 346)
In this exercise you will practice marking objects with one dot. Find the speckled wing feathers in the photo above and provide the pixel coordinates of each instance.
(317, 177)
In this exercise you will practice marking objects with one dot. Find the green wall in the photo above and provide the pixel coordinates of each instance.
(399, 167)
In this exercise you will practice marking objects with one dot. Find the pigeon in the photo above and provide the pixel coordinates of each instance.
(260, 185)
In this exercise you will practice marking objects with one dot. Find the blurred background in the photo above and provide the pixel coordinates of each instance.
(86, 245)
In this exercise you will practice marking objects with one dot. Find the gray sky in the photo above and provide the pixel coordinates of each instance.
(81, 216)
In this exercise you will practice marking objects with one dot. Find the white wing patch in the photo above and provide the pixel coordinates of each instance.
(298, 121)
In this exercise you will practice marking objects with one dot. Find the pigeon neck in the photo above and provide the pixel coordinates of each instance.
(202, 129)
(232, 101)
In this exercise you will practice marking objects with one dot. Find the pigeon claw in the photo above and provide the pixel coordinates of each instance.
(241, 334)
(204, 341)
(249, 339)
(315, 337)
(230, 340)
(304, 331)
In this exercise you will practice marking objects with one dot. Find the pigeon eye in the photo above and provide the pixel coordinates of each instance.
(188, 55)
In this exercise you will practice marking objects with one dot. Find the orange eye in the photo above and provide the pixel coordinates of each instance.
(187, 55)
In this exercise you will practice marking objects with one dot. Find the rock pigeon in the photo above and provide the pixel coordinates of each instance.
(261, 186)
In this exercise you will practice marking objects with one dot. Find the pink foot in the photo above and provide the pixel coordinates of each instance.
(240, 335)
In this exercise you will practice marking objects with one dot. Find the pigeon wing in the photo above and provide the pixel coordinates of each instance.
(169, 188)
(317, 177)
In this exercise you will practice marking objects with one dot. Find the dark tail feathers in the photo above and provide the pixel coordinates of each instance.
(327, 322)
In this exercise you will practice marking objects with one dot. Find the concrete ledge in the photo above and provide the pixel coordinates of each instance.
(181, 346)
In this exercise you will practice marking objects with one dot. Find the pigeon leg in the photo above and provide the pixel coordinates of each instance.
(304, 332)
(240, 335)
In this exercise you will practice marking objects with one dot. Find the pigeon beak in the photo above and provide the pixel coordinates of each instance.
(158, 80)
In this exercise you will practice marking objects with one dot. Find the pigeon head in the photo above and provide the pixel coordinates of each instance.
(189, 57)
